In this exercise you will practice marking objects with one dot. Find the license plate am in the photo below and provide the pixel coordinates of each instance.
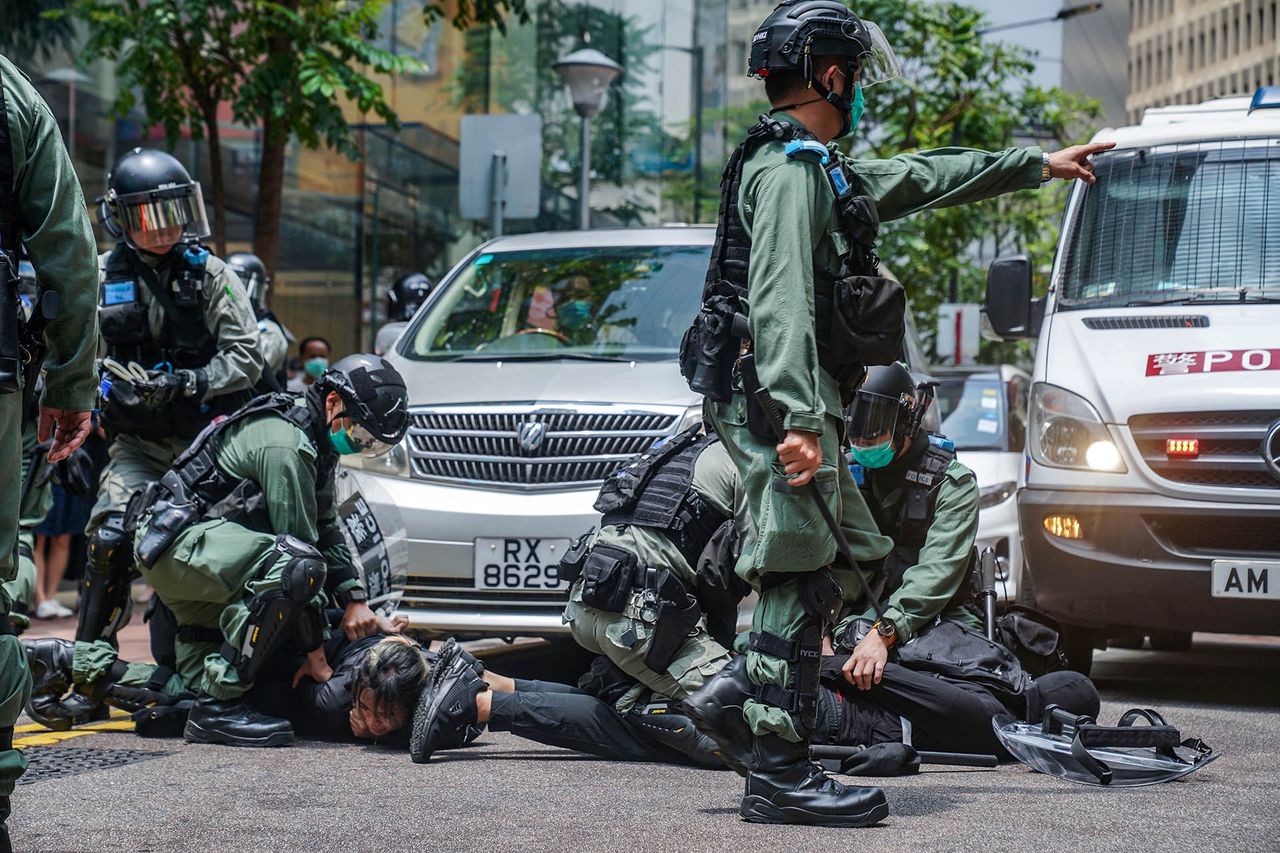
(1255, 579)
(519, 564)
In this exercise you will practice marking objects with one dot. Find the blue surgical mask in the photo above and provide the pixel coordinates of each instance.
(574, 314)
(874, 456)
(316, 366)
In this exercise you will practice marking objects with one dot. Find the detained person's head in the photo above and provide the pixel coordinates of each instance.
(387, 687)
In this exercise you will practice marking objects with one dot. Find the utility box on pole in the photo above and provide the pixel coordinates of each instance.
(500, 174)
(959, 332)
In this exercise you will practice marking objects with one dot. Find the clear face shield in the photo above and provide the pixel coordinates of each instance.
(156, 219)
(880, 63)
(365, 442)
(873, 417)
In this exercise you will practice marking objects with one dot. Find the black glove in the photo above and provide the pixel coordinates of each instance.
(882, 759)
(74, 474)
(162, 389)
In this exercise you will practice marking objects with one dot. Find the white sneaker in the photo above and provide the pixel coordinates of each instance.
(52, 609)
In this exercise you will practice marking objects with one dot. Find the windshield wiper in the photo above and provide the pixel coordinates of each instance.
(537, 356)
(1214, 296)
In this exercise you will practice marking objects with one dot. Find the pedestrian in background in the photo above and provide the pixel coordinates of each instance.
(314, 353)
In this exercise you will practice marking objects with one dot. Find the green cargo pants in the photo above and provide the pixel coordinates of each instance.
(15, 678)
(624, 638)
(94, 660)
(205, 577)
(791, 537)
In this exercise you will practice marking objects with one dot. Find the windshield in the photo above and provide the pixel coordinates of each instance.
(1188, 223)
(625, 303)
(972, 412)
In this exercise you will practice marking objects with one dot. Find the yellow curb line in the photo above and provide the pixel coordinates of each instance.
(49, 738)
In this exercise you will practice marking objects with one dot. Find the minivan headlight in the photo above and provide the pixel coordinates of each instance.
(996, 494)
(691, 416)
(394, 463)
(1067, 432)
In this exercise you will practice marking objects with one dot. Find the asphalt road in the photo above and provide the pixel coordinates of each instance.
(509, 794)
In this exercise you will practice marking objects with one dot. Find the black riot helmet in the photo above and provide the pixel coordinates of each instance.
(374, 398)
(888, 401)
(406, 295)
(798, 32)
(151, 201)
(253, 275)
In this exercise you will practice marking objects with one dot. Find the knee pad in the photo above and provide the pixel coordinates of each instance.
(105, 605)
(304, 574)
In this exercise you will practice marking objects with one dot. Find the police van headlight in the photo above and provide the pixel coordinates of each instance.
(996, 494)
(394, 463)
(1067, 432)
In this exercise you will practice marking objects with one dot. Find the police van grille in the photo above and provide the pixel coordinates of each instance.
(1231, 451)
(578, 448)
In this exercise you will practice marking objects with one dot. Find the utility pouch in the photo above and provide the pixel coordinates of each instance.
(709, 347)
(171, 514)
(608, 577)
(865, 320)
(570, 565)
(676, 618)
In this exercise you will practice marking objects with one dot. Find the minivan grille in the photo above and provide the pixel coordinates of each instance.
(534, 447)
(1231, 447)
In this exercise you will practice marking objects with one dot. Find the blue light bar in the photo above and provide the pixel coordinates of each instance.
(1266, 98)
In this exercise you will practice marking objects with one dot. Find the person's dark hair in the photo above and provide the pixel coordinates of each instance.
(783, 87)
(395, 673)
(302, 345)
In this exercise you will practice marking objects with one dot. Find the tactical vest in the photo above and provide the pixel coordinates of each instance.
(217, 494)
(655, 490)
(908, 524)
(858, 315)
(184, 342)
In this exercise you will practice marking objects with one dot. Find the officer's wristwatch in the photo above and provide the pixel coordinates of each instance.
(353, 595)
(192, 383)
(1045, 174)
(887, 631)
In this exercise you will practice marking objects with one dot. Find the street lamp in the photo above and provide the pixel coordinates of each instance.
(587, 73)
(1063, 15)
(70, 77)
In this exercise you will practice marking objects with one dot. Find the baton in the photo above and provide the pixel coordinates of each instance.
(987, 570)
(775, 420)
(837, 754)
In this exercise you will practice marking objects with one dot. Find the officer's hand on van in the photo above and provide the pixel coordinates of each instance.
(866, 665)
(1073, 162)
(314, 667)
(800, 454)
(67, 429)
(358, 621)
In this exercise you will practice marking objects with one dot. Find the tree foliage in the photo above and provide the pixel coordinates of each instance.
(28, 24)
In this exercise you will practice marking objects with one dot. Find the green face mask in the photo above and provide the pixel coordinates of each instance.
(875, 456)
(316, 366)
(341, 442)
(855, 110)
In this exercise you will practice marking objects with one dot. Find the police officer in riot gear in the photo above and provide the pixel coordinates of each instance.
(241, 540)
(181, 347)
(41, 207)
(273, 337)
(406, 295)
(794, 305)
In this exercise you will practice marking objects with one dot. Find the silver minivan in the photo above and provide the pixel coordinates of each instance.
(540, 364)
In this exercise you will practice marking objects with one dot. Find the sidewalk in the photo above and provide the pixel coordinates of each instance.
(135, 642)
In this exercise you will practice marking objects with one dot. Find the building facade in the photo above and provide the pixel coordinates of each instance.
(1095, 59)
(1189, 51)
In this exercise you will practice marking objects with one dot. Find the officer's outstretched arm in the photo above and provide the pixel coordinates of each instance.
(238, 363)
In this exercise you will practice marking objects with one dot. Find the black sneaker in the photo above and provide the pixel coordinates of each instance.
(446, 713)
(234, 723)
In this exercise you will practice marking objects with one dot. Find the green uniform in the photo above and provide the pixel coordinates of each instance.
(625, 637)
(788, 209)
(930, 584)
(273, 344)
(33, 506)
(236, 366)
(54, 226)
(215, 565)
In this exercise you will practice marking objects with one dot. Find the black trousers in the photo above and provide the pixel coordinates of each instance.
(559, 715)
(947, 715)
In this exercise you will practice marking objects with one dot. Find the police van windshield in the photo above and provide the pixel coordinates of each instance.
(1178, 224)
(612, 303)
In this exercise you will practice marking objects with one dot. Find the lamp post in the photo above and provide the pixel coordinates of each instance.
(587, 73)
(1063, 15)
(70, 77)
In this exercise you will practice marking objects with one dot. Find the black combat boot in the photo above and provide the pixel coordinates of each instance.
(446, 713)
(6, 846)
(784, 786)
(235, 724)
(716, 708)
(50, 661)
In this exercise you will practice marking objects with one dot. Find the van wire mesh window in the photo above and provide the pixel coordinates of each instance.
(1194, 222)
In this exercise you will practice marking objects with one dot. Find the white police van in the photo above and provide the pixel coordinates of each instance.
(1150, 501)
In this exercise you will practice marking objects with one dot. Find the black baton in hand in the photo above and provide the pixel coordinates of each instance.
(765, 399)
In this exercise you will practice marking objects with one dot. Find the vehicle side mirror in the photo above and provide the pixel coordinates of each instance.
(1010, 310)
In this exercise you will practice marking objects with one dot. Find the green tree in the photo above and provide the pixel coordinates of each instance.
(289, 66)
(29, 23)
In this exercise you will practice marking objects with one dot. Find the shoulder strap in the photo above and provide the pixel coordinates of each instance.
(283, 405)
(8, 188)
